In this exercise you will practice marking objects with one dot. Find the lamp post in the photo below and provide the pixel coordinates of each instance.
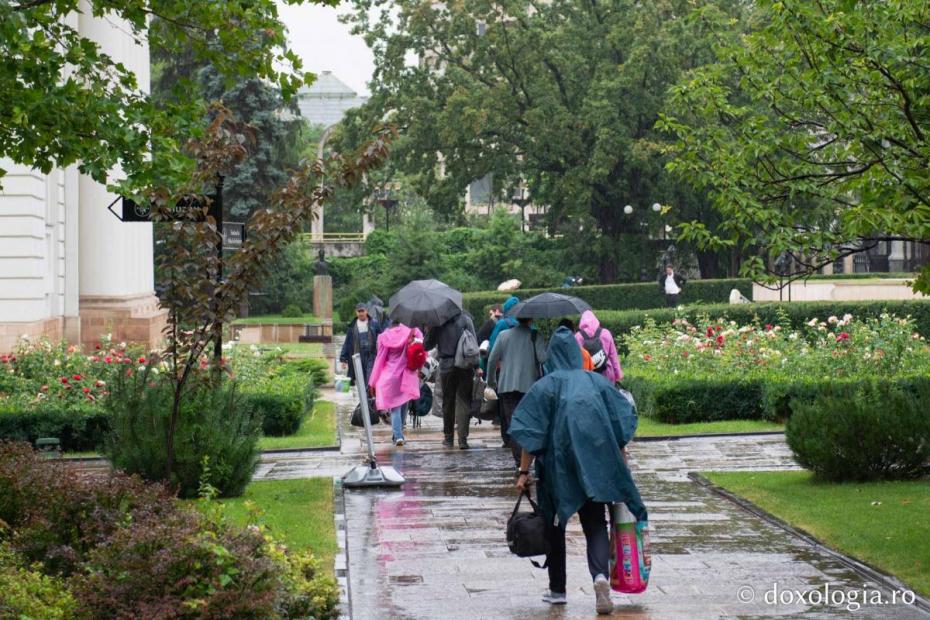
(521, 197)
(385, 198)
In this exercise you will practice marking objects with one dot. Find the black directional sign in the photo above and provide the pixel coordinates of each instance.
(133, 211)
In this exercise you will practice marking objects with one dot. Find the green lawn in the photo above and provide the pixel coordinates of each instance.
(319, 429)
(275, 319)
(653, 428)
(883, 523)
(297, 512)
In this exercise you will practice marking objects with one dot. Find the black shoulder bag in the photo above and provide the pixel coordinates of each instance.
(527, 533)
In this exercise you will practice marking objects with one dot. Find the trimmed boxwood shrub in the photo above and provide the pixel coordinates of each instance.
(874, 430)
(79, 427)
(621, 296)
(674, 400)
(285, 397)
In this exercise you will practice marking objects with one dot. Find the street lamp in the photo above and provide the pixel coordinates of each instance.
(385, 198)
(656, 207)
(521, 197)
(628, 209)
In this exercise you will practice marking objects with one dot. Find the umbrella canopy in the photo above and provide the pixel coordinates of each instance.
(549, 306)
(425, 303)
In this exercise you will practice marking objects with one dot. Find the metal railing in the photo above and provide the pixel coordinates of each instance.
(329, 237)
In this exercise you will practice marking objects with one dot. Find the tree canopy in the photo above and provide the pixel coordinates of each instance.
(811, 132)
(562, 95)
(65, 101)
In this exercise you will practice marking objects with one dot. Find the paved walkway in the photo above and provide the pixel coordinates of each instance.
(435, 548)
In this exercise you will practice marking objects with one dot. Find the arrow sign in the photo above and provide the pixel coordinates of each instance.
(135, 212)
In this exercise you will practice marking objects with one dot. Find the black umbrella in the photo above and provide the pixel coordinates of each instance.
(549, 306)
(425, 303)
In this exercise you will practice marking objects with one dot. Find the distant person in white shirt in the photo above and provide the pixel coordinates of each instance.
(671, 284)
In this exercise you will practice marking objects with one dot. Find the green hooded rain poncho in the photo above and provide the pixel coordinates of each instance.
(576, 423)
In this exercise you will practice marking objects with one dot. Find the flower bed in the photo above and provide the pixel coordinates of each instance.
(717, 369)
(55, 390)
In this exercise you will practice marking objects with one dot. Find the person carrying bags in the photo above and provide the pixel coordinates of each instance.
(394, 376)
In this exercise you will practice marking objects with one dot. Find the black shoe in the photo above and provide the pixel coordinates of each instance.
(464, 446)
(447, 443)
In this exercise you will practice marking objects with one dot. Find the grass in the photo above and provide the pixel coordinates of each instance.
(297, 512)
(317, 430)
(275, 319)
(882, 523)
(653, 428)
(292, 349)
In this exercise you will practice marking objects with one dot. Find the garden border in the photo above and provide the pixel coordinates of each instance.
(863, 568)
(341, 560)
(706, 436)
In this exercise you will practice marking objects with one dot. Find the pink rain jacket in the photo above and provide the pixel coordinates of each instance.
(394, 383)
(589, 325)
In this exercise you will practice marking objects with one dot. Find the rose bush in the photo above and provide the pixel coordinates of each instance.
(718, 369)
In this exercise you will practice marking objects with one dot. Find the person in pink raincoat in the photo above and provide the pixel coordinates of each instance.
(395, 384)
(599, 343)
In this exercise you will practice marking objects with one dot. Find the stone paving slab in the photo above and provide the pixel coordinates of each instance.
(435, 548)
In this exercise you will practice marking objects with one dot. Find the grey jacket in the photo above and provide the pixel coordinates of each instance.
(518, 368)
(446, 339)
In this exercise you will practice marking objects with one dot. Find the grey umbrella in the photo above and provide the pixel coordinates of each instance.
(549, 306)
(425, 303)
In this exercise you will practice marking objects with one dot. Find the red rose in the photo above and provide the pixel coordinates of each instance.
(768, 327)
(720, 340)
(647, 357)
(77, 377)
(86, 390)
(720, 328)
(710, 332)
(108, 359)
(64, 380)
(685, 354)
(141, 360)
(4, 358)
(842, 337)
(97, 346)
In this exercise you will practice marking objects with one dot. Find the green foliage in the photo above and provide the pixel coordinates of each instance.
(717, 370)
(104, 121)
(615, 297)
(26, 593)
(289, 282)
(292, 311)
(79, 427)
(562, 96)
(793, 314)
(810, 131)
(873, 430)
(215, 423)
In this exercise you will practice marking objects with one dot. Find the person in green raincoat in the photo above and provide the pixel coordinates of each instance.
(576, 424)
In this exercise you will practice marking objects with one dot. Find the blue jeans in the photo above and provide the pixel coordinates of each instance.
(397, 422)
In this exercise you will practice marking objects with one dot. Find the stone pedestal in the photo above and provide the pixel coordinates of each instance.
(323, 297)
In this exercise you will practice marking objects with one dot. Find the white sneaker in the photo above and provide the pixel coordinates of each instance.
(602, 602)
(399, 443)
(554, 598)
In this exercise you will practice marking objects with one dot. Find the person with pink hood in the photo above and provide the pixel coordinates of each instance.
(599, 343)
(394, 374)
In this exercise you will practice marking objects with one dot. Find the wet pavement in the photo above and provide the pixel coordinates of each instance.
(436, 549)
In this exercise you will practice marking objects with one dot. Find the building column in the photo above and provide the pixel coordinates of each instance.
(117, 293)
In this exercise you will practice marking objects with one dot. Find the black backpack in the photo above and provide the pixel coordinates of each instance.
(526, 531)
(592, 344)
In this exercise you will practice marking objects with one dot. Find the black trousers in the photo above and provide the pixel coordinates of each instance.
(509, 402)
(456, 402)
(671, 300)
(594, 523)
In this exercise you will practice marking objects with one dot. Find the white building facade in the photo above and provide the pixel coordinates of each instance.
(69, 269)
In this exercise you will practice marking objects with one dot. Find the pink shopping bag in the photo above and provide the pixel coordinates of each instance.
(630, 557)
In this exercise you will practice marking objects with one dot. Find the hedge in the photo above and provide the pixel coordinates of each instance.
(78, 428)
(676, 400)
(621, 296)
(798, 312)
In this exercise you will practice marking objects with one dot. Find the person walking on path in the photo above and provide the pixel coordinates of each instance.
(394, 375)
(513, 368)
(361, 338)
(456, 383)
(505, 323)
(599, 342)
(577, 424)
(671, 284)
(485, 331)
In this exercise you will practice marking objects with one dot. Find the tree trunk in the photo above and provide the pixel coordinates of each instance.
(708, 263)
(172, 427)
